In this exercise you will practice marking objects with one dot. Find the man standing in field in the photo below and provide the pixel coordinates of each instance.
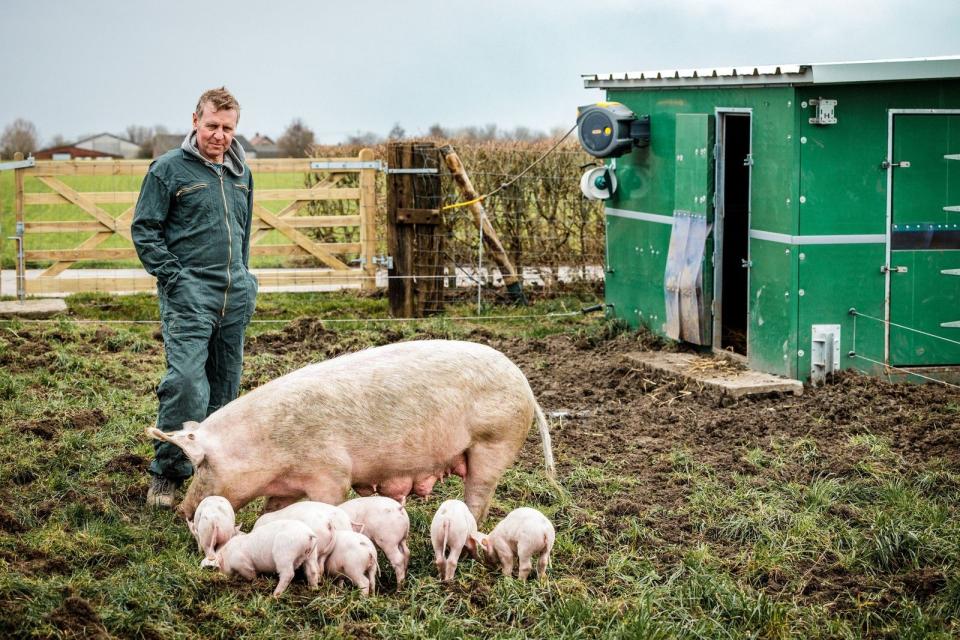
(191, 230)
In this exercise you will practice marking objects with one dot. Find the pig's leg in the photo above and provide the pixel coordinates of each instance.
(311, 568)
(450, 565)
(357, 577)
(438, 554)
(486, 462)
(505, 554)
(372, 571)
(286, 576)
(328, 488)
(542, 563)
(405, 552)
(525, 566)
(275, 503)
(396, 558)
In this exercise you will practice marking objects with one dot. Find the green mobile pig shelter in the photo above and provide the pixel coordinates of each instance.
(806, 216)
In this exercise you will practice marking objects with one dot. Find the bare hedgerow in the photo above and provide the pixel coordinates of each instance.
(542, 218)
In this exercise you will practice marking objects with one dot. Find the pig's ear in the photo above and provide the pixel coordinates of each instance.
(186, 440)
(192, 527)
(357, 526)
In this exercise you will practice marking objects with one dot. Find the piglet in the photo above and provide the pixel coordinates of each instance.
(323, 519)
(355, 557)
(525, 532)
(453, 528)
(213, 524)
(387, 524)
(279, 547)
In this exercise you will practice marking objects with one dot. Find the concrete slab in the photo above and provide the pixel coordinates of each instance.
(726, 377)
(32, 308)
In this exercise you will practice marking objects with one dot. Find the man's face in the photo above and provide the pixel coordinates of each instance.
(215, 131)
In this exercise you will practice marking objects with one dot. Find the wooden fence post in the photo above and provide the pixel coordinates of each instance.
(368, 222)
(415, 230)
(490, 238)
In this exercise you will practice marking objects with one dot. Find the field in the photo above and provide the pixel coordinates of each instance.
(831, 515)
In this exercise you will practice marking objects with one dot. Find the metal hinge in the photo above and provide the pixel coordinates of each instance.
(746, 264)
(888, 269)
(825, 111)
(748, 161)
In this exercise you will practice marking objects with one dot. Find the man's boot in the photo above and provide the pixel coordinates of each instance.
(161, 493)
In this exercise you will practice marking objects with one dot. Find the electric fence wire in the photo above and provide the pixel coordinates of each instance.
(529, 316)
(856, 354)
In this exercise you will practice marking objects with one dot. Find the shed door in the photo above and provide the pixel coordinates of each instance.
(925, 239)
(687, 296)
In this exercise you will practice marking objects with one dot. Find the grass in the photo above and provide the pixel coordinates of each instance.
(767, 553)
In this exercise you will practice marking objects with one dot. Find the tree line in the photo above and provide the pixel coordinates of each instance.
(297, 140)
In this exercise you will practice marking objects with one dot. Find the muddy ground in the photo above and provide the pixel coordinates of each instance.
(610, 414)
(627, 420)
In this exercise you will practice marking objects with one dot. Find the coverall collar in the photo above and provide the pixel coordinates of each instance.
(233, 157)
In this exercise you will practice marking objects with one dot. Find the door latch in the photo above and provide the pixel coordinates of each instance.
(889, 269)
(903, 164)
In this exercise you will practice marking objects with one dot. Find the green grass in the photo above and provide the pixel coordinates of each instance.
(80, 555)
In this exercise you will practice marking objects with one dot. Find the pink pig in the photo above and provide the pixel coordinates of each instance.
(323, 520)
(355, 557)
(213, 524)
(451, 531)
(278, 547)
(395, 417)
(524, 533)
(387, 524)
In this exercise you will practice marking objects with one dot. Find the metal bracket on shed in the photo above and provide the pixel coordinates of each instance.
(824, 352)
(825, 111)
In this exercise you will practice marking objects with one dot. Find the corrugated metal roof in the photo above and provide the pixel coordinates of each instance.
(814, 73)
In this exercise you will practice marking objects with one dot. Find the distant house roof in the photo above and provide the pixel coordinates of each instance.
(73, 151)
(790, 74)
(79, 143)
(259, 140)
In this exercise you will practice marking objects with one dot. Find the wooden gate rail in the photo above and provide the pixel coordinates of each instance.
(105, 225)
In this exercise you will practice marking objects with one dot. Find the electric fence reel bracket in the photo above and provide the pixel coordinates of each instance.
(599, 182)
(608, 130)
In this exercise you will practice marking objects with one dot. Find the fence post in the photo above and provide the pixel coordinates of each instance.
(414, 229)
(21, 277)
(368, 222)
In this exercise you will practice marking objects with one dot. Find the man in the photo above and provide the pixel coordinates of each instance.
(191, 230)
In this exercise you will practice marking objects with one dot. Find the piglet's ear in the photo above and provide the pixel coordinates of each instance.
(357, 526)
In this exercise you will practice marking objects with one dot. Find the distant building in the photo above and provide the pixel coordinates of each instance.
(264, 146)
(111, 144)
(73, 152)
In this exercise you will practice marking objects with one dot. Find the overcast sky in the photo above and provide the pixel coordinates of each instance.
(74, 67)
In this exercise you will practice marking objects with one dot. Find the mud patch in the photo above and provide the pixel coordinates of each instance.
(9, 524)
(77, 618)
(127, 463)
(85, 419)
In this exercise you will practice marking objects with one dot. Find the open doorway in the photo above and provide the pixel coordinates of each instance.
(732, 231)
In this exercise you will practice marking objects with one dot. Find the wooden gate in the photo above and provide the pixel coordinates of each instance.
(75, 183)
